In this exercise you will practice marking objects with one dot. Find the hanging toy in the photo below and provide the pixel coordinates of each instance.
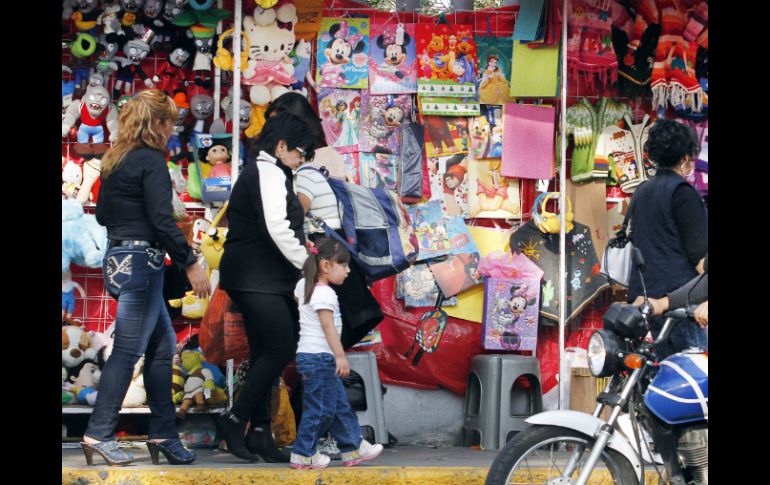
(82, 48)
(430, 329)
(136, 50)
(202, 21)
(94, 110)
(170, 76)
(85, 16)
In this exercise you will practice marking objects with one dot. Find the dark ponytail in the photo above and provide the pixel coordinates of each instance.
(328, 249)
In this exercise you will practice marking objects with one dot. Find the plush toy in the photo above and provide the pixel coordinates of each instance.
(68, 288)
(108, 19)
(302, 54)
(271, 36)
(92, 169)
(85, 15)
(106, 51)
(85, 381)
(170, 76)
(67, 396)
(201, 107)
(199, 384)
(135, 50)
(178, 138)
(178, 377)
(82, 47)
(94, 110)
(128, 15)
(168, 34)
(84, 241)
(244, 115)
(72, 178)
(74, 342)
(67, 91)
(202, 20)
(136, 396)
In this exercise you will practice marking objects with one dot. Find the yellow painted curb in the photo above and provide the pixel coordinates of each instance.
(285, 476)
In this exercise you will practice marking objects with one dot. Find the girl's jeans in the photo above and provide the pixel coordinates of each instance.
(325, 407)
(134, 276)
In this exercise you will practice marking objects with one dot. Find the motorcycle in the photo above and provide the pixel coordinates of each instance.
(665, 420)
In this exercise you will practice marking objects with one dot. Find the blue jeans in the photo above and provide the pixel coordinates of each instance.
(134, 276)
(325, 406)
(686, 334)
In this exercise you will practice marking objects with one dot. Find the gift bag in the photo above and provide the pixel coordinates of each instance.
(448, 183)
(392, 59)
(340, 111)
(445, 136)
(490, 195)
(343, 53)
(410, 169)
(419, 288)
(544, 61)
(380, 129)
(352, 167)
(211, 334)
(458, 272)
(430, 230)
(510, 314)
(439, 106)
(378, 170)
(447, 60)
(494, 69)
(528, 141)
(486, 133)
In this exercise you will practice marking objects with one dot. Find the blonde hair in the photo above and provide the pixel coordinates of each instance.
(138, 127)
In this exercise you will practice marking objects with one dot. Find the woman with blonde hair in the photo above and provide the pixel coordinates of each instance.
(135, 205)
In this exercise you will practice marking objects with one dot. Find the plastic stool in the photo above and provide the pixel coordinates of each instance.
(515, 403)
(365, 364)
(482, 402)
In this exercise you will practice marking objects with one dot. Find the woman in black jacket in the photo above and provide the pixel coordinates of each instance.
(263, 255)
(135, 206)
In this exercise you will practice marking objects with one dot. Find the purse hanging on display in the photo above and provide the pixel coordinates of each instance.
(430, 329)
(616, 260)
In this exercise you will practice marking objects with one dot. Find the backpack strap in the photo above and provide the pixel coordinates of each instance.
(318, 222)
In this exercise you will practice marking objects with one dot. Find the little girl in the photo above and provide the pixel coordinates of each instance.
(321, 362)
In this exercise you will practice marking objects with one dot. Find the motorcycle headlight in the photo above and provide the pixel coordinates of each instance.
(602, 353)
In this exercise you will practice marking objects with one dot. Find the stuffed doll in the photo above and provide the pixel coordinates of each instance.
(201, 107)
(136, 396)
(67, 396)
(94, 110)
(178, 186)
(68, 287)
(178, 138)
(86, 15)
(108, 20)
(178, 377)
(218, 155)
(72, 177)
(302, 54)
(67, 91)
(74, 342)
(269, 69)
(202, 20)
(170, 76)
(106, 50)
(168, 34)
(84, 380)
(84, 241)
(82, 47)
(128, 13)
(135, 50)
(92, 169)
(199, 384)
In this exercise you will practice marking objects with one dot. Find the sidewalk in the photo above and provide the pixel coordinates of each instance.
(411, 465)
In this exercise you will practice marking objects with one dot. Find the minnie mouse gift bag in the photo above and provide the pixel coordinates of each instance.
(343, 53)
(511, 310)
(392, 60)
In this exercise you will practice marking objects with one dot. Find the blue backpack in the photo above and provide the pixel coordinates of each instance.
(377, 229)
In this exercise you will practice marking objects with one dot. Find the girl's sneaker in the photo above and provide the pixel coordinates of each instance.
(365, 452)
(315, 462)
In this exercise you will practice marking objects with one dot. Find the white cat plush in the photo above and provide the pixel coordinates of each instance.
(72, 176)
(271, 36)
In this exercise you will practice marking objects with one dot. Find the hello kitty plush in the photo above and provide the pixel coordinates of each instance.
(271, 37)
(72, 178)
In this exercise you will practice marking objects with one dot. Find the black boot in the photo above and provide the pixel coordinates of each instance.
(230, 428)
(259, 441)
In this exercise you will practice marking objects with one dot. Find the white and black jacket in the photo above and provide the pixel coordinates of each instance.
(265, 247)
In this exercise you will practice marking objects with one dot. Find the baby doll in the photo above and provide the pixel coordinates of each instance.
(218, 156)
(68, 287)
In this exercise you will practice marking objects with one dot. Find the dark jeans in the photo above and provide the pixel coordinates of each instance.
(134, 276)
(686, 334)
(271, 323)
(325, 406)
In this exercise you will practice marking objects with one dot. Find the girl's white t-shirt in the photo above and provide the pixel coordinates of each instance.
(312, 339)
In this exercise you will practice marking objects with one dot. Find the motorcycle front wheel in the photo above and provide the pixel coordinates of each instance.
(539, 455)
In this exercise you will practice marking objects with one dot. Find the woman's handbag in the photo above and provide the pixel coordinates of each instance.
(616, 260)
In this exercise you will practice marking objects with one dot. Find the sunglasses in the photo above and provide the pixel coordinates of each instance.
(306, 154)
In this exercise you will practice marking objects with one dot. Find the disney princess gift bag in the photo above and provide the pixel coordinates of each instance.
(446, 57)
(392, 59)
(494, 69)
(340, 111)
(511, 307)
(343, 53)
(381, 117)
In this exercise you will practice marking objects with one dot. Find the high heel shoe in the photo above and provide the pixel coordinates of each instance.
(231, 429)
(173, 450)
(109, 450)
(259, 441)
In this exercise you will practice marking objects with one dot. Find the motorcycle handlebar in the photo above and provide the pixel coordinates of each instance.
(672, 317)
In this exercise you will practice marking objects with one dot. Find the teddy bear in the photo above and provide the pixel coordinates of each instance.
(200, 387)
(74, 342)
(83, 240)
(84, 382)
(271, 36)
